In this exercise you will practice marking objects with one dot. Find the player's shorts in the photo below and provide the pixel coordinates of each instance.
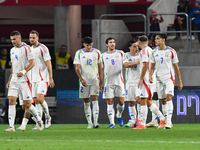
(132, 91)
(145, 91)
(111, 91)
(165, 88)
(39, 87)
(86, 92)
(22, 89)
(21, 102)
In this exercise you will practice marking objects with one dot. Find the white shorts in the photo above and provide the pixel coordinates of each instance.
(132, 91)
(39, 87)
(111, 91)
(22, 89)
(153, 88)
(165, 88)
(86, 92)
(145, 91)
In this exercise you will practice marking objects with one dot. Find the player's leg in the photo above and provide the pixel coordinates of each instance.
(95, 110)
(25, 118)
(88, 113)
(13, 93)
(138, 99)
(108, 93)
(94, 92)
(41, 92)
(132, 113)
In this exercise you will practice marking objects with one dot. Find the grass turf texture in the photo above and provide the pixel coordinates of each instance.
(76, 136)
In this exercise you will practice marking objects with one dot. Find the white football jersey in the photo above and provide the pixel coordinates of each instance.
(89, 64)
(145, 54)
(20, 57)
(113, 64)
(40, 71)
(132, 73)
(164, 60)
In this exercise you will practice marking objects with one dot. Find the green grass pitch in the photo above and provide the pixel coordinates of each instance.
(76, 136)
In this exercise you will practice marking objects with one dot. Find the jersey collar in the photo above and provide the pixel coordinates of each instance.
(164, 49)
(112, 53)
(87, 52)
(38, 45)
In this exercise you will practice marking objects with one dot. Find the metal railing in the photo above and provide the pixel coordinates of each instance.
(188, 27)
(120, 15)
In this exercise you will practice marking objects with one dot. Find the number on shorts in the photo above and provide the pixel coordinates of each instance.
(81, 89)
(104, 89)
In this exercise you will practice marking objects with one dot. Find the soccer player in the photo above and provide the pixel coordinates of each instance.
(165, 59)
(112, 62)
(89, 71)
(132, 64)
(42, 77)
(19, 84)
(144, 84)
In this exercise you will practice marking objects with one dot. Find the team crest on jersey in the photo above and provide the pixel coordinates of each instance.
(116, 56)
(166, 55)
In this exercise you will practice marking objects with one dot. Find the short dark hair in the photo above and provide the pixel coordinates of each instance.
(63, 46)
(15, 33)
(143, 38)
(131, 42)
(162, 35)
(87, 40)
(108, 39)
(34, 32)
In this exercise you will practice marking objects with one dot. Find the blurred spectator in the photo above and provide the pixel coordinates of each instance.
(180, 20)
(63, 59)
(155, 22)
(196, 13)
(4, 63)
(151, 40)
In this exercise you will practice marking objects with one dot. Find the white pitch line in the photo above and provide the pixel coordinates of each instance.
(132, 141)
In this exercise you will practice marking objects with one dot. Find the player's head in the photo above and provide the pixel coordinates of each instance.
(160, 38)
(142, 41)
(182, 3)
(197, 3)
(63, 49)
(133, 46)
(33, 37)
(16, 38)
(110, 43)
(87, 43)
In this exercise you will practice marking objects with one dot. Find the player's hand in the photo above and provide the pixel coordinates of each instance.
(137, 62)
(100, 87)
(83, 82)
(180, 85)
(7, 85)
(20, 74)
(51, 83)
(151, 79)
(196, 12)
(140, 83)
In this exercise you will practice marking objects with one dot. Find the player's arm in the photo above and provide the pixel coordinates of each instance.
(77, 69)
(100, 76)
(131, 64)
(29, 67)
(49, 67)
(151, 72)
(8, 84)
(178, 74)
(144, 70)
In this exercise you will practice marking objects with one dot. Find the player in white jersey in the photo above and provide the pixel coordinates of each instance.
(144, 84)
(132, 63)
(41, 78)
(164, 58)
(112, 62)
(89, 71)
(19, 83)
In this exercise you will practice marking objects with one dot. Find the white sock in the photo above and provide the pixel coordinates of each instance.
(24, 122)
(120, 110)
(11, 115)
(169, 112)
(154, 109)
(39, 110)
(139, 111)
(33, 111)
(144, 112)
(164, 110)
(132, 113)
(154, 116)
(88, 114)
(111, 113)
(45, 108)
(95, 110)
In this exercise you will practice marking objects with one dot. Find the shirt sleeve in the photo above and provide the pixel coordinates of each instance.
(125, 58)
(29, 52)
(102, 60)
(46, 55)
(144, 54)
(174, 57)
(152, 58)
(99, 57)
(77, 58)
